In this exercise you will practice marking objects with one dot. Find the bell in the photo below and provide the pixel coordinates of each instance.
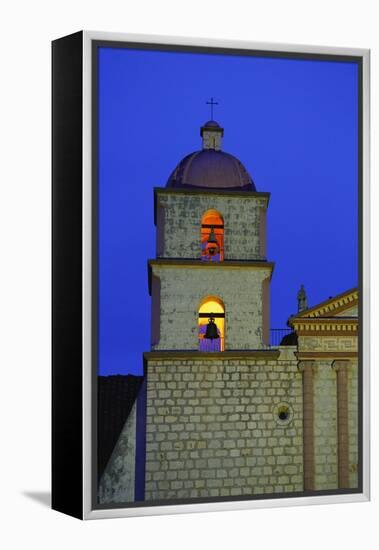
(211, 332)
(212, 244)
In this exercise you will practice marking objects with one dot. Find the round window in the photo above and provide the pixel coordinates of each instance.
(283, 414)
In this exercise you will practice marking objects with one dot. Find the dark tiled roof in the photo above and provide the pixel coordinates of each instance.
(116, 395)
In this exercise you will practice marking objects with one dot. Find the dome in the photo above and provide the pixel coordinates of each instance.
(211, 124)
(213, 170)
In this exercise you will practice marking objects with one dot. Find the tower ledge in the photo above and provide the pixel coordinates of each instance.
(270, 354)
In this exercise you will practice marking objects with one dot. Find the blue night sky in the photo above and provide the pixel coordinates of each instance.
(292, 123)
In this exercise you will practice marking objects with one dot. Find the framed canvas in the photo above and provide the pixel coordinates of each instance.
(210, 275)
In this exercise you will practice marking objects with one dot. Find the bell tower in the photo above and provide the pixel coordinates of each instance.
(213, 385)
(211, 248)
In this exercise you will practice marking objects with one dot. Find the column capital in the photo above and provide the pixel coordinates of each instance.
(306, 365)
(340, 364)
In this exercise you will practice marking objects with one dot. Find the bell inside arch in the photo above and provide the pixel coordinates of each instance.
(212, 244)
(211, 333)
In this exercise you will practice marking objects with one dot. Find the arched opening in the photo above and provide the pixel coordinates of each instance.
(211, 324)
(212, 237)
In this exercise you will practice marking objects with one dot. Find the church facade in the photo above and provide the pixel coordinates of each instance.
(220, 411)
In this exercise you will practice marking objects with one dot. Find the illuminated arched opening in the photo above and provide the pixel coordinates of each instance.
(212, 237)
(212, 311)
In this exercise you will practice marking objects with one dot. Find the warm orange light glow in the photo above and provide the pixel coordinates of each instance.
(210, 305)
(212, 217)
(212, 253)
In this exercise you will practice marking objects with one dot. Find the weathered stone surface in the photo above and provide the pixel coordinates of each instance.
(325, 408)
(325, 426)
(353, 422)
(179, 223)
(183, 289)
(117, 482)
(230, 445)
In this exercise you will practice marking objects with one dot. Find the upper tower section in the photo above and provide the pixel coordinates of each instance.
(210, 209)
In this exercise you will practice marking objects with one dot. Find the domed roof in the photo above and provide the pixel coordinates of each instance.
(213, 170)
(211, 124)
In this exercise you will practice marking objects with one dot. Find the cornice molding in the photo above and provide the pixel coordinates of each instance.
(321, 326)
(204, 191)
(193, 263)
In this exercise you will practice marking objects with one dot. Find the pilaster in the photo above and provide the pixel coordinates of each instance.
(307, 368)
(341, 369)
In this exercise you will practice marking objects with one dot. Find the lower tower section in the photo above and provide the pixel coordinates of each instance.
(223, 424)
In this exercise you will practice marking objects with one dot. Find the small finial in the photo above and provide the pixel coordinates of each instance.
(302, 303)
(212, 103)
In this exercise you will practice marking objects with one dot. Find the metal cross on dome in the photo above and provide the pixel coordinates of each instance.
(212, 103)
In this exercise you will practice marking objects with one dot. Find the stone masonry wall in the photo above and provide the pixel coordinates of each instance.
(183, 288)
(117, 482)
(181, 220)
(325, 426)
(213, 427)
(353, 422)
(325, 408)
